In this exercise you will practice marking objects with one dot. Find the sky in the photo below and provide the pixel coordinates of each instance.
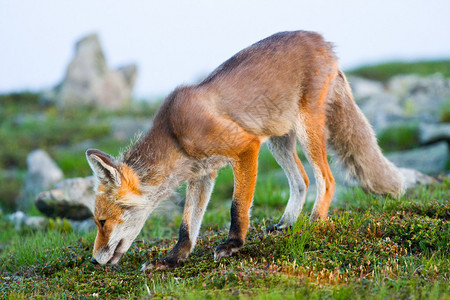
(179, 42)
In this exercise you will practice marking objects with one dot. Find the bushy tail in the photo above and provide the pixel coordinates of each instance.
(353, 139)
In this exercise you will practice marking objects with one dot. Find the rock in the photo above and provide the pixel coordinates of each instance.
(431, 133)
(17, 219)
(42, 174)
(36, 223)
(364, 88)
(421, 97)
(382, 110)
(89, 81)
(414, 178)
(20, 220)
(72, 198)
(429, 160)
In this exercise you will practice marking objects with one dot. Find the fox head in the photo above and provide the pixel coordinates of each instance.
(120, 207)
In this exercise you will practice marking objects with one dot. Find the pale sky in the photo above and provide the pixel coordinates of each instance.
(178, 42)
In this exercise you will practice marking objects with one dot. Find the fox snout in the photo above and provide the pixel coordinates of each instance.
(108, 255)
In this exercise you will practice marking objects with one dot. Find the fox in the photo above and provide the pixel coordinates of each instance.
(283, 90)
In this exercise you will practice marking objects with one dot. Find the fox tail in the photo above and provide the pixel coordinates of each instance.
(353, 139)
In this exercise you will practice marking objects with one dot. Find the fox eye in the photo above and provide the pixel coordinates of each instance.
(102, 222)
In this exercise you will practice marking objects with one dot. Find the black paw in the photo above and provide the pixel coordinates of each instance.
(276, 228)
(163, 264)
(227, 248)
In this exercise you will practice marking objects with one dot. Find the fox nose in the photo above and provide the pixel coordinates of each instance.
(94, 261)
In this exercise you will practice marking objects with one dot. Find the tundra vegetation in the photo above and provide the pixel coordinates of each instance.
(370, 247)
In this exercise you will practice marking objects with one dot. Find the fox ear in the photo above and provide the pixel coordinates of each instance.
(104, 166)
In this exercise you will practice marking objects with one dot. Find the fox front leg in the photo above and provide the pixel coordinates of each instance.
(245, 169)
(198, 193)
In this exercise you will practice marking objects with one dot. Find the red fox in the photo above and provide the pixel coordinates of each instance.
(282, 89)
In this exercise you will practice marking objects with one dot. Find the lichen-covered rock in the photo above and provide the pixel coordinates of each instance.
(72, 198)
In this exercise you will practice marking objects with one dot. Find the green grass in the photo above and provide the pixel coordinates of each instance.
(385, 71)
(399, 137)
(444, 115)
(369, 248)
(26, 125)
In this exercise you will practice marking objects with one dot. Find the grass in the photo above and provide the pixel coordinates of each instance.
(370, 247)
(26, 125)
(399, 137)
(383, 72)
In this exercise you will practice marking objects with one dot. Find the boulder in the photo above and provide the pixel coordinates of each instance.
(89, 80)
(364, 88)
(429, 160)
(414, 178)
(72, 199)
(431, 133)
(42, 174)
(421, 97)
(382, 110)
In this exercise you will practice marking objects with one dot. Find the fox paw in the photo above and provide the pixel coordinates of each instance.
(276, 228)
(227, 248)
(162, 264)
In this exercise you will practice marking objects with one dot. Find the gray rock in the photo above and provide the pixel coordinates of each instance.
(20, 221)
(430, 133)
(382, 110)
(17, 219)
(421, 97)
(89, 81)
(42, 174)
(36, 223)
(429, 160)
(364, 88)
(72, 198)
(414, 178)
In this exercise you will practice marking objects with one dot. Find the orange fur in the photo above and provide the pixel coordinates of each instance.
(129, 183)
(285, 88)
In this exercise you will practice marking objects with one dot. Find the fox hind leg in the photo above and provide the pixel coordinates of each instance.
(312, 138)
(283, 149)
